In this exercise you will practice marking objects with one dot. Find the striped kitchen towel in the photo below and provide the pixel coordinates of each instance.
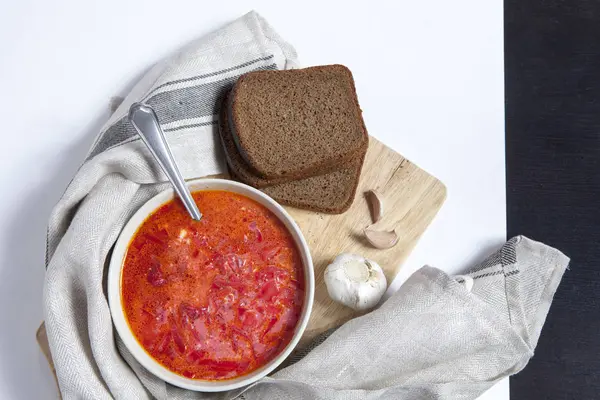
(438, 337)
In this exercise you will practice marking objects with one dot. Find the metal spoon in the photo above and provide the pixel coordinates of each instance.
(145, 122)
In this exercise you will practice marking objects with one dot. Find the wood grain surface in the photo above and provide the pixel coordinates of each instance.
(411, 198)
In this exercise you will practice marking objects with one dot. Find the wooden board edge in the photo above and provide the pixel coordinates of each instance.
(41, 337)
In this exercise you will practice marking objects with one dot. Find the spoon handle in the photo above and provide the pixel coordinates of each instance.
(145, 122)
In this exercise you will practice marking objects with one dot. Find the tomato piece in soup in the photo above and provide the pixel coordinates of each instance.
(216, 298)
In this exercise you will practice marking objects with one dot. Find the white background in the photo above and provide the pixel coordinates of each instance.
(429, 77)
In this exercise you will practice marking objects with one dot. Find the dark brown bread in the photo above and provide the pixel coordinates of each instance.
(332, 192)
(237, 164)
(297, 123)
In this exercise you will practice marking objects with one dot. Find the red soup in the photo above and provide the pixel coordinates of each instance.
(217, 298)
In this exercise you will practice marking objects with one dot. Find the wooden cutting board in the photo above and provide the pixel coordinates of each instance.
(411, 198)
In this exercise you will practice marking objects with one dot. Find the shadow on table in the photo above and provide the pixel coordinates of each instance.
(21, 300)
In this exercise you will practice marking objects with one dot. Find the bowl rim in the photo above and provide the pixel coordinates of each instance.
(114, 286)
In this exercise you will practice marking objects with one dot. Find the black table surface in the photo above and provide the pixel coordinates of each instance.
(552, 75)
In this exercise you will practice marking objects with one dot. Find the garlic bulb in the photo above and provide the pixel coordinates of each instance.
(355, 281)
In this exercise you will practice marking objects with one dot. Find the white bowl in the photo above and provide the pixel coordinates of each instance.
(114, 287)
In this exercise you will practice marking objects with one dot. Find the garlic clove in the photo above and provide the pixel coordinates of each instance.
(354, 281)
(376, 205)
(381, 239)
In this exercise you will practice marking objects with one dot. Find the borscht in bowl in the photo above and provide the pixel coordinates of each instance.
(214, 304)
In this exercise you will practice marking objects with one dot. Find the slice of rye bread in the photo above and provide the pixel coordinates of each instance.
(332, 192)
(297, 123)
(239, 167)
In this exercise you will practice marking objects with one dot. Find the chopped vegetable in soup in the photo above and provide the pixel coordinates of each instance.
(216, 298)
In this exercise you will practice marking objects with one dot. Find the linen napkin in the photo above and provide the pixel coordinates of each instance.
(432, 339)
